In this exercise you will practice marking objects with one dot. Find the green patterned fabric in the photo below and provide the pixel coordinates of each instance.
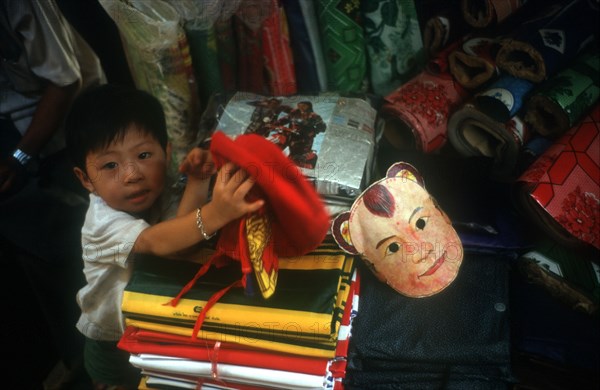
(203, 49)
(566, 97)
(343, 44)
(394, 43)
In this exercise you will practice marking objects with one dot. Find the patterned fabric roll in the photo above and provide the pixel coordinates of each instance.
(542, 47)
(483, 13)
(394, 43)
(504, 98)
(159, 59)
(198, 21)
(489, 126)
(474, 63)
(250, 75)
(304, 60)
(248, 21)
(562, 101)
(343, 44)
(416, 114)
(227, 55)
(443, 27)
(277, 53)
(203, 49)
(560, 191)
(309, 13)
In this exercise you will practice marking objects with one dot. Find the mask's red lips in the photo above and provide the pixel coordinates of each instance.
(438, 263)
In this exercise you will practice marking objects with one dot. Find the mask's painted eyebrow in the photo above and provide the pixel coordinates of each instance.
(414, 212)
(382, 241)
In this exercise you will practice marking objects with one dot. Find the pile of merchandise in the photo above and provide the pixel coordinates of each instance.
(296, 339)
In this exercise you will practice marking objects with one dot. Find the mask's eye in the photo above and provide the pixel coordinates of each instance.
(392, 248)
(421, 223)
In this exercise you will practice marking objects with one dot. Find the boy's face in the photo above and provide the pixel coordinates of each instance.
(129, 174)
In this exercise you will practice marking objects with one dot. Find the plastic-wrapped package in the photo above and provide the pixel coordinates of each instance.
(159, 60)
(331, 138)
(199, 18)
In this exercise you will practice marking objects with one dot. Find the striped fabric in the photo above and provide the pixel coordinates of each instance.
(182, 362)
(305, 310)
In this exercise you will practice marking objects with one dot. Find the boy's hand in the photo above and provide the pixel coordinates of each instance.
(198, 165)
(229, 194)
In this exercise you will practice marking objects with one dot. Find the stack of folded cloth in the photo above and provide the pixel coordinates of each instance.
(456, 339)
(296, 339)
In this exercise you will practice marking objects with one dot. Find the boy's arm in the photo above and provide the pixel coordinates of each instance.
(199, 168)
(194, 196)
(228, 203)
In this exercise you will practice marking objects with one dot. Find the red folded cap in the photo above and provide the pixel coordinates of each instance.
(299, 218)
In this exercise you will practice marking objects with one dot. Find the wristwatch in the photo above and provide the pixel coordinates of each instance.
(22, 157)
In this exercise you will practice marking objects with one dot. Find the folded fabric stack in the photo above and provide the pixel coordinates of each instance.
(296, 339)
(568, 274)
(456, 339)
(554, 346)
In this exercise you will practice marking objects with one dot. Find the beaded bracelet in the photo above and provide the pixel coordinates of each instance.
(201, 226)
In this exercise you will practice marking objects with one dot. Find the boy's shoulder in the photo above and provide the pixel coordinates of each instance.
(102, 219)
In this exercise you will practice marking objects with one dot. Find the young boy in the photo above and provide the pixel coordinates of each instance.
(117, 140)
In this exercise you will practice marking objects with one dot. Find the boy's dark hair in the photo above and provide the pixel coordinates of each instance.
(100, 115)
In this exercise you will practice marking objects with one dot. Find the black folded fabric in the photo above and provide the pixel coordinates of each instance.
(458, 338)
(545, 327)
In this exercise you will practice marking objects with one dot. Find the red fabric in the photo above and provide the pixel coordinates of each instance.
(137, 341)
(210, 303)
(278, 53)
(299, 218)
(565, 180)
(250, 70)
(425, 103)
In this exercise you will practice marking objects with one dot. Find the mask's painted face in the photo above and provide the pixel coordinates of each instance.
(399, 230)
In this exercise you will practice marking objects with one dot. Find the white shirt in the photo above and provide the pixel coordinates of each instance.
(107, 238)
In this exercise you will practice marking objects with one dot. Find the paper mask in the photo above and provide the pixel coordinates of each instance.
(402, 234)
